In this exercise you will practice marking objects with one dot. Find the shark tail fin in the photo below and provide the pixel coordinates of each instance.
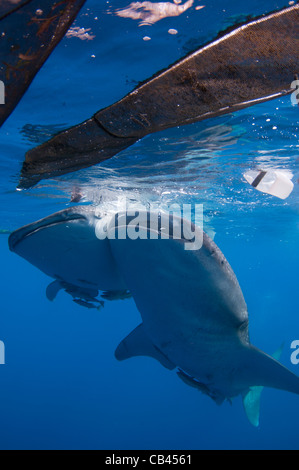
(261, 369)
(251, 403)
(252, 399)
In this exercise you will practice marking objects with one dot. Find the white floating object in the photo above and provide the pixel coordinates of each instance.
(275, 182)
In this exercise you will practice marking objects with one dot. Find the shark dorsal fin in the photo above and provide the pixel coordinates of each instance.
(137, 343)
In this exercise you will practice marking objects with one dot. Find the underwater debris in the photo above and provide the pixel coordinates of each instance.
(275, 182)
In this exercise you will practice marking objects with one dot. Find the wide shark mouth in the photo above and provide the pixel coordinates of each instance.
(28, 230)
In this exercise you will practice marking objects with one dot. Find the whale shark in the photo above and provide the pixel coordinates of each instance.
(194, 315)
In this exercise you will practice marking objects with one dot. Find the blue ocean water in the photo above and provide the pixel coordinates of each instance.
(61, 386)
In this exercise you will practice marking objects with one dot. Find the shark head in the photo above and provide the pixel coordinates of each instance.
(65, 247)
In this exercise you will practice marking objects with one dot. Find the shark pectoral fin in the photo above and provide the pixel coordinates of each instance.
(137, 343)
(252, 399)
(251, 403)
(53, 289)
